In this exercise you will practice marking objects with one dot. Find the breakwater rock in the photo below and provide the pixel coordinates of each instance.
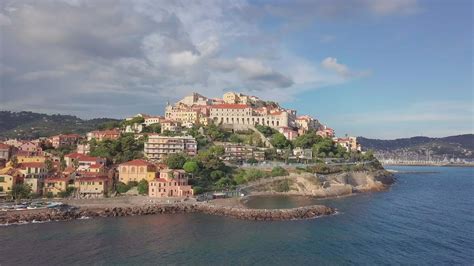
(28, 216)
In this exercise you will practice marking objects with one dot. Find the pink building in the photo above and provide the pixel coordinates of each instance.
(325, 132)
(101, 135)
(289, 133)
(171, 183)
(65, 140)
(84, 161)
(30, 147)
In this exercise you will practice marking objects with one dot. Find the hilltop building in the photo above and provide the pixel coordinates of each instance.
(64, 140)
(240, 112)
(101, 135)
(349, 143)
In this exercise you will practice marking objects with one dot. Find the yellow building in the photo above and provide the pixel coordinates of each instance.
(136, 170)
(91, 186)
(6, 184)
(30, 159)
(55, 185)
(230, 97)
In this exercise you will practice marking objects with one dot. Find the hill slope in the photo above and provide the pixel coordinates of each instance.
(461, 146)
(29, 125)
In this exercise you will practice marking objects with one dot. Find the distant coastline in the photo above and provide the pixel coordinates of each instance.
(429, 164)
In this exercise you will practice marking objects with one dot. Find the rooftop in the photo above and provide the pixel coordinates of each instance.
(230, 106)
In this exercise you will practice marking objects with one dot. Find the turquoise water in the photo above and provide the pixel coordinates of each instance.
(425, 218)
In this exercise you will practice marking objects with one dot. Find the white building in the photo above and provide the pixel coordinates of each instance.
(158, 147)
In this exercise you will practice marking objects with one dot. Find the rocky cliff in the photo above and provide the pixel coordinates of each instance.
(317, 185)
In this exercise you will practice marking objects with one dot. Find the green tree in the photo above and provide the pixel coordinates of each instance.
(252, 161)
(324, 146)
(175, 160)
(266, 130)
(49, 165)
(307, 140)
(191, 167)
(153, 128)
(216, 133)
(279, 141)
(121, 187)
(14, 162)
(20, 191)
(224, 182)
(62, 164)
(142, 187)
(234, 138)
(69, 191)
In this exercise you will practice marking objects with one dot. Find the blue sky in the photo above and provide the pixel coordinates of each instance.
(374, 68)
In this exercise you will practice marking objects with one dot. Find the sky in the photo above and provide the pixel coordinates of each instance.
(375, 68)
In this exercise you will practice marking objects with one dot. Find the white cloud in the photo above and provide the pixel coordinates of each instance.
(110, 53)
(331, 63)
(342, 70)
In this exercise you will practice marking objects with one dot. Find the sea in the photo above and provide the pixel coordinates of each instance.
(425, 218)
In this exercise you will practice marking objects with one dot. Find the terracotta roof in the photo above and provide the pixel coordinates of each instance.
(136, 162)
(230, 106)
(93, 178)
(161, 180)
(106, 132)
(70, 135)
(81, 174)
(55, 179)
(73, 155)
(4, 146)
(86, 158)
(32, 165)
(83, 157)
(96, 166)
(69, 169)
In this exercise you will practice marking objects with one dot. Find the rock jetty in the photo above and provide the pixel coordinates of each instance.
(28, 216)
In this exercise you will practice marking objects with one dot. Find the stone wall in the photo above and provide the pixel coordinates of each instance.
(26, 216)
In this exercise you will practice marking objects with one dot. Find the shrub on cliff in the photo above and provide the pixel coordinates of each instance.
(64, 194)
(191, 167)
(283, 185)
(142, 187)
(122, 187)
(279, 171)
(175, 160)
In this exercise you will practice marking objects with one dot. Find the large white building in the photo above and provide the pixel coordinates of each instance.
(242, 114)
(237, 110)
(158, 147)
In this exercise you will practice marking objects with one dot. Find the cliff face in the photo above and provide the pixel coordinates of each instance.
(325, 185)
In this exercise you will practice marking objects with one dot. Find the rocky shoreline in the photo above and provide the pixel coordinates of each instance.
(44, 215)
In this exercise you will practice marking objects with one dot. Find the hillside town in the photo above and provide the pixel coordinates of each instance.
(190, 149)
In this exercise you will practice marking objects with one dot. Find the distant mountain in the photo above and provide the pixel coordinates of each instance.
(29, 125)
(461, 146)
